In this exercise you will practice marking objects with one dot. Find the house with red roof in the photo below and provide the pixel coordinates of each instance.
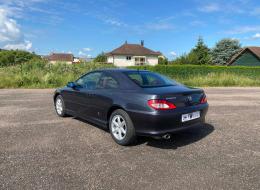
(61, 57)
(133, 55)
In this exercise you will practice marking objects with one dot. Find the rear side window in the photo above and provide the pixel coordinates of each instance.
(149, 79)
(107, 82)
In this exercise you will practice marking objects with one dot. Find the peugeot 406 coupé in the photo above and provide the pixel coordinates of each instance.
(132, 103)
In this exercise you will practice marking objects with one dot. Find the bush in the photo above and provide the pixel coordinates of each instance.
(15, 57)
(40, 74)
(101, 58)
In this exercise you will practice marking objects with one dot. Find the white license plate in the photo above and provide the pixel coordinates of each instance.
(190, 116)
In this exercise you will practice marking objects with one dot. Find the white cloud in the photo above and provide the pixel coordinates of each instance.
(9, 30)
(27, 45)
(11, 36)
(159, 26)
(81, 53)
(173, 53)
(87, 49)
(114, 22)
(226, 7)
(213, 7)
(243, 30)
(256, 36)
(84, 52)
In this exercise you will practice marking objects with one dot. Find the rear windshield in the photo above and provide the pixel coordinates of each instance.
(149, 79)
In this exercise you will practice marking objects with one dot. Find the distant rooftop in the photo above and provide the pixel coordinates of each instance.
(60, 57)
(254, 49)
(133, 49)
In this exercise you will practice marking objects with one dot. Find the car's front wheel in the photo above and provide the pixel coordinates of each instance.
(60, 106)
(121, 128)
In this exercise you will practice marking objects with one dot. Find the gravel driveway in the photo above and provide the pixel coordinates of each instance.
(38, 150)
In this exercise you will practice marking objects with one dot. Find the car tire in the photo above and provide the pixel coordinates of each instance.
(121, 128)
(60, 106)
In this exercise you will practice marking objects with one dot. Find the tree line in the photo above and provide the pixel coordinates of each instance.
(15, 57)
(220, 54)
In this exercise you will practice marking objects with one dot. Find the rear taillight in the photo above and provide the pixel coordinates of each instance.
(203, 100)
(161, 105)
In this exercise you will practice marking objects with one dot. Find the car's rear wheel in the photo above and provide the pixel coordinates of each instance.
(121, 128)
(60, 106)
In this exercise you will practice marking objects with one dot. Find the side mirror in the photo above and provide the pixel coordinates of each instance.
(71, 85)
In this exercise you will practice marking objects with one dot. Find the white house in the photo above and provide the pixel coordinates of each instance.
(133, 54)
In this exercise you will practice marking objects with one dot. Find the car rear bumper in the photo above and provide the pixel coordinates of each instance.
(163, 122)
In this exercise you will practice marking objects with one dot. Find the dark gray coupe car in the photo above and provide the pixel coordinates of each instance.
(132, 103)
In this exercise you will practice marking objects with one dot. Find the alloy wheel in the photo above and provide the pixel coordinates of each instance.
(118, 127)
(59, 106)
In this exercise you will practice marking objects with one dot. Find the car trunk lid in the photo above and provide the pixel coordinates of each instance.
(180, 96)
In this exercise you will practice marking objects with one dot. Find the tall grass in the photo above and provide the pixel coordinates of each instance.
(38, 74)
(43, 75)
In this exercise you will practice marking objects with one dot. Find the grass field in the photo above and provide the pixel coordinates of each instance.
(42, 75)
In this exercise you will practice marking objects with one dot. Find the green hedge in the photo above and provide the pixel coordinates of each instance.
(204, 75)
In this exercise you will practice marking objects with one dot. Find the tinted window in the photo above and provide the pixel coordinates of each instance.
(89, 81)
(107, 82)
(149, 79)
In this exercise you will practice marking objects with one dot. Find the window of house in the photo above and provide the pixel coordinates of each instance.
(128, 58)
(139, 60)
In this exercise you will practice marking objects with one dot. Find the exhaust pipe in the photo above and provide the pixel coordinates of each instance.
(167, 136)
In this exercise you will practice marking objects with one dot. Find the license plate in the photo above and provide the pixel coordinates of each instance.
(190, 116)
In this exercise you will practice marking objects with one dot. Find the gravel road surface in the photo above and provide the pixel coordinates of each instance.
(39, 150)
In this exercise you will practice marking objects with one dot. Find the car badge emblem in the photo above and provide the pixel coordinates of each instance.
(189, 98)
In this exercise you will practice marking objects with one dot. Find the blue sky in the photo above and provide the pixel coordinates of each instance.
(88, 27)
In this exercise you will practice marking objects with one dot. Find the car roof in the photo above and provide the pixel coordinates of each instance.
(120, 70)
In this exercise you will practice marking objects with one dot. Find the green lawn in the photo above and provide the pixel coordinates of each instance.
(42, 75)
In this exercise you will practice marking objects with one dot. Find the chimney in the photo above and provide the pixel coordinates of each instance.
(126, 42)
(142, 43)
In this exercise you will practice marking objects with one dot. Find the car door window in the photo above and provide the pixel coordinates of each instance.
(89, 81)
(107, 82)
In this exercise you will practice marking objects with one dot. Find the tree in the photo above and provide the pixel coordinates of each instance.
(101, 58)
(199, 55)
(189, 58)
(162, 61)
(201, 52)
(224, 50)
(14, 57)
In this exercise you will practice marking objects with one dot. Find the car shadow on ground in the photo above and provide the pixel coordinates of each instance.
(177, 140)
